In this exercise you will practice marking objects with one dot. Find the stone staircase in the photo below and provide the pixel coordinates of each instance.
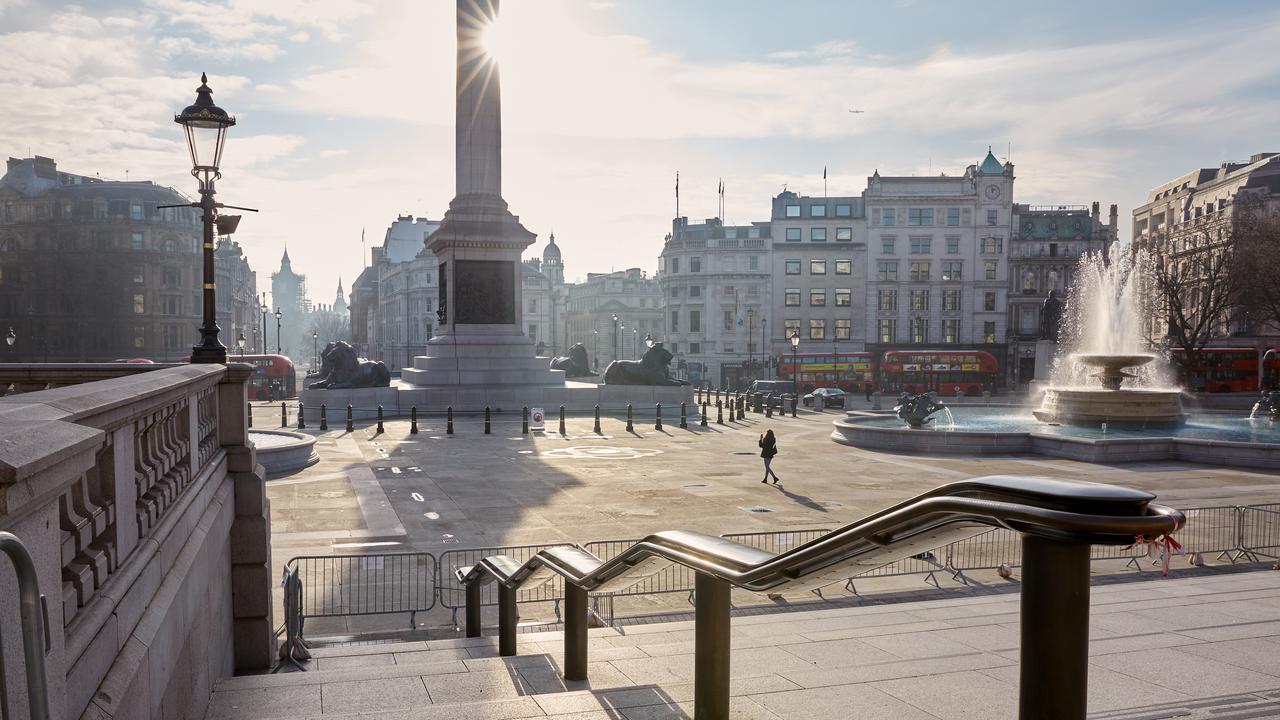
(1199, 647)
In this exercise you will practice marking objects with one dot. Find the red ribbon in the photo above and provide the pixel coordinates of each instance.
(1167, 546)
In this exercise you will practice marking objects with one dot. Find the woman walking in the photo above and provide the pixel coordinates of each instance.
(768, 448)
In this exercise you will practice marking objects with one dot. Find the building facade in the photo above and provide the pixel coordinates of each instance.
(938, 265)
(590, 307)
(715, 282)
(289, 298)
(95, 271)
(543, 295)
(237, 297)
(403, 318)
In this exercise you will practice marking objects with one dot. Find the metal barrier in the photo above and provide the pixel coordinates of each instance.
(1260, 531)
(1212, 529)
(372, 584)
(451, 594)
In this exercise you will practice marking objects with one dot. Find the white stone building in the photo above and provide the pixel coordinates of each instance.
(590, 307)
(543, 297)
(404, 318)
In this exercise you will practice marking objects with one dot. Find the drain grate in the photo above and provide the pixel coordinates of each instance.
(755, 509)
(694, 485)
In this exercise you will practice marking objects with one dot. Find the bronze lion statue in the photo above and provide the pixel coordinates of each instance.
(651, 369)
(341, 368)
(575, 364)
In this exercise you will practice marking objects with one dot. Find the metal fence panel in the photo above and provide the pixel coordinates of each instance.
(367, 584)
(452, 594)
(1213, 529)
(674, 578)
(777, 541)
(1260, 530)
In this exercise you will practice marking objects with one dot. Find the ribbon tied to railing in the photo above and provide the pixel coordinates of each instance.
(1160, 548)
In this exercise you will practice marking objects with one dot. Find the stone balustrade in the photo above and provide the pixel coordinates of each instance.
(137, 492)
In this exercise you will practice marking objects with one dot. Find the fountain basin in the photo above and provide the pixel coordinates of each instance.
(1091, 407)
(283, 451)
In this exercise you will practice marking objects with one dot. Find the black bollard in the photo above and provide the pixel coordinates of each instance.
(350, 424)
(487, 429)
(717, 394)
(249, 416)
(380, 430)
(742, 408)
(284, 415)
(324, 418)
(703, 422)
(630, 427)
(562, 430)
(657, 416)
(302, 423)
(524, 424)
(597, 430)
(795, 400)
(449, 421)
(413, 420)
(719, 413)
(684, 419)
(768, 408)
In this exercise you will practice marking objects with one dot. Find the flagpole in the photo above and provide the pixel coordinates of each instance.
(677, 194)
(824, 182)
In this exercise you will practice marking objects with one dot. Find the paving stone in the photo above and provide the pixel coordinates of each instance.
(961, 695)
(264, 703)
(847, 702)
(1186, 673)
(475, 686)
(378, 694)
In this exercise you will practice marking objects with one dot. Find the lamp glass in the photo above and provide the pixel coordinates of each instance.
(279, 314)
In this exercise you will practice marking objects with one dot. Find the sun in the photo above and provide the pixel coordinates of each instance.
(494, 40)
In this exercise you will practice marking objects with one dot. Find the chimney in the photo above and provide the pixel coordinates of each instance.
(1115, 214)
(1261, 156)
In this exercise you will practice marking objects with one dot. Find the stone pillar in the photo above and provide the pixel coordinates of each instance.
(478, 113)
(251, 607)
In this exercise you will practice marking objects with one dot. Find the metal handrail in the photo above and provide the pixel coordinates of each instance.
(34, 626)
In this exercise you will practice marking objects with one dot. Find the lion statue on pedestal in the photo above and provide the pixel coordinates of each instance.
(574, 364)
(651, 369)
(341, 368)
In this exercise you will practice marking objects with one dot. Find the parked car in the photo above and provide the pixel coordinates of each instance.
(831, 397)
(775, 387)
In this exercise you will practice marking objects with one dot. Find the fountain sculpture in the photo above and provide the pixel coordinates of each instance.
(1268, 406)
(916, 410)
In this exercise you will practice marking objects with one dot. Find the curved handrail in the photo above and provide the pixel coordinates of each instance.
(1068, 511)
(32, 625)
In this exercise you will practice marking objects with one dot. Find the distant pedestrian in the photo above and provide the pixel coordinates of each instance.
(868, 392)
(768, 448)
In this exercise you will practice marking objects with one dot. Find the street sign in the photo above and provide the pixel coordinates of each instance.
(537, 420)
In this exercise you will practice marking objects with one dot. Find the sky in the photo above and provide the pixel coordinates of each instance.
(345, 108)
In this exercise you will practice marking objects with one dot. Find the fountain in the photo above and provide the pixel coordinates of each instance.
(1112, 405)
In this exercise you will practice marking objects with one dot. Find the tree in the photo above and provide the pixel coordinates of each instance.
(1255, 235)
(330, 326)
(1199, 287)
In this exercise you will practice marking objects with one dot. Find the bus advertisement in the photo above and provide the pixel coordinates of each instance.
(945, 372)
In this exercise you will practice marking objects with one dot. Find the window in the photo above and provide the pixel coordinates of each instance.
(817, 267)
(171, 277)
(729, 291)
(919, 299)
(817, 211)
(792, 297)
(988, 332)
(886, 244)
(793, 234)
(844, 234)
(953, 217)
(818, 234)
(817, 298)
(533, 305)
(920, 217)
(844, 211)
(950, 330)
(753, 262)
(921, 245)
(139, 276)
(886, 330)
(992, 217)
(844, 297)
(844, 267)
(818, 329)
(888, 301)
(695, 321)
(675, 291)
(951, 300)
(793, 211)
(533, 332)
(919, 329)
(731, 232)
(992, 244)
(675, 321)
(989, 269)
(695, 291)
(135, 211)
(139, 304)
(951, 270)
(695, 264)
(989, 301)
(843, 326)
(790, 327)
(887, 270)
(675, 265)
(172, 305)
(793, 267)
(136, 240)
(888, 217)
(727, 321)
(753, 232)
(953, 245)
(919, 271)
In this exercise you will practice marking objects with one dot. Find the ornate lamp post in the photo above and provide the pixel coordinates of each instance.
(256, 346)
(240, 343)
(206, 125)
(615, 336)
(795, 361)
(635, 343)
(595, 348)
(278, 316)
(648, 340)
(264, 310)
(766, 354)
(315, 349)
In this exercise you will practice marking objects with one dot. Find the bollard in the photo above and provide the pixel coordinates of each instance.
(795, 400)
(742, 408)
(413, 420)
(449, 421)
(524, 423)
(657, 417)
(684, 420)
(562, 430)
(630, 427)
(487, 430)
(597, 429)
(719, 413)
(380, 430)
(249, 415)
(302, 423)
(324, 418)
(768, 408)
(284, 415)
(703, 422)
(759, 397)
(350, 424)
(717, 394)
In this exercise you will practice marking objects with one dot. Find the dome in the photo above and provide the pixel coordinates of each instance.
(553, 251)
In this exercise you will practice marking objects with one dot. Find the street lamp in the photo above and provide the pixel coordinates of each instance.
(240, 343)
(315, 348)
(278, 316)
(206, 125)
(795, 361)
(765, 351)
(615, 336)
(595, 348)
(635, 343)
(256, 346)
(648, 340)
(265, 326)
(10, 338)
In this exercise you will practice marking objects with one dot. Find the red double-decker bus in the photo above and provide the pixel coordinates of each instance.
(1228, 369)
(850, 372)
(273, 376)
(941, 371)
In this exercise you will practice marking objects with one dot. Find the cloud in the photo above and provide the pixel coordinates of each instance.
(829, 49)
(340, 152)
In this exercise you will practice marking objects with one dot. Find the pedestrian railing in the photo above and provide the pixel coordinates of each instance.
(452, 595)
(372, 584)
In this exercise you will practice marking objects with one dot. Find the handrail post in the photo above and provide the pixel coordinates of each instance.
(473, 609)
(33, 621)
(1054, 663)
(507, 620)
(711, 648)
(575, 632)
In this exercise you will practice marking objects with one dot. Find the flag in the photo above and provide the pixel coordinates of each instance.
(824, 172)
(677, 184)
